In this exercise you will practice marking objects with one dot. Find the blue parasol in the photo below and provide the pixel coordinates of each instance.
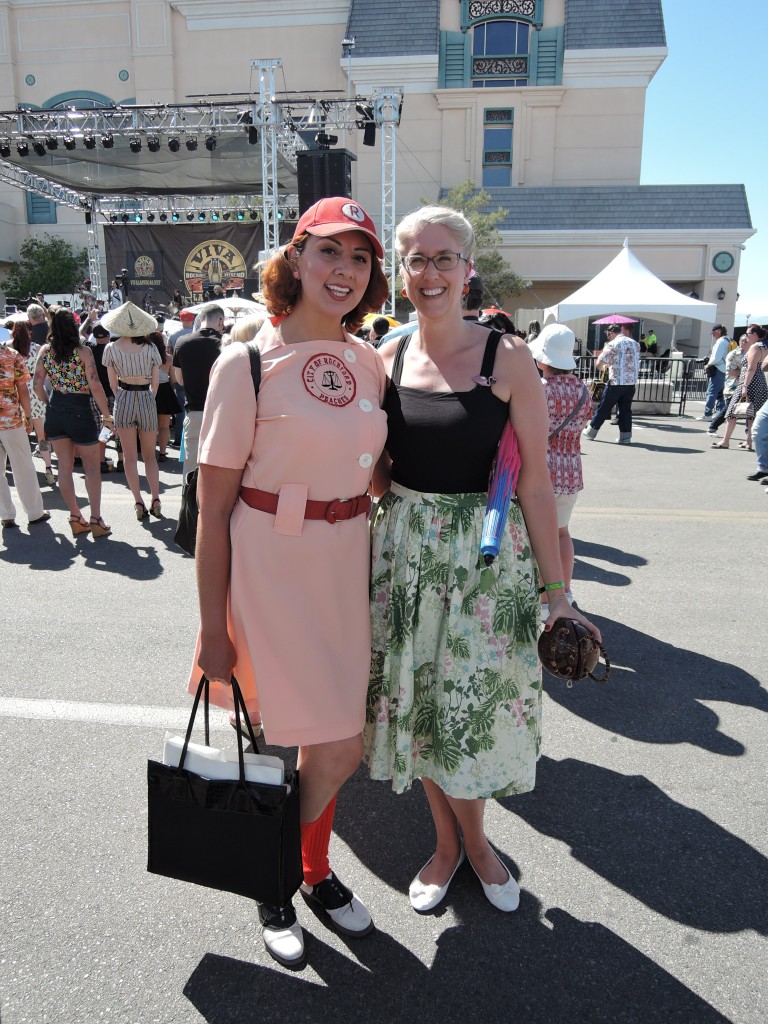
(504, 474)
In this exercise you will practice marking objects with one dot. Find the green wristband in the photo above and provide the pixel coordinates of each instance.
(552, 586)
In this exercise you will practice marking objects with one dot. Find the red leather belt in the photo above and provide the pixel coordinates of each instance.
(331, 511)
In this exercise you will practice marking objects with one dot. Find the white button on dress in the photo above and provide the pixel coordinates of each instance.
(349, 355)
(365, 405)
(365, 460)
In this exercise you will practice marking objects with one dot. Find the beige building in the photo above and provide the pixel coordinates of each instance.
(540, 101)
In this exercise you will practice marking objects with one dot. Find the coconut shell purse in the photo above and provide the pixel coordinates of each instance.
(569, 651)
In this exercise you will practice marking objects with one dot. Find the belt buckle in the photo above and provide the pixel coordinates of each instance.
(331, 513)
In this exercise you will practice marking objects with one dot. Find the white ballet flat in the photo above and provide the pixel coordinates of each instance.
(505, 896)
(426, 897)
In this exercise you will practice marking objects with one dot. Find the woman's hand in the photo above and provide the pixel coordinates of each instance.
(217, 657)
(560, 609)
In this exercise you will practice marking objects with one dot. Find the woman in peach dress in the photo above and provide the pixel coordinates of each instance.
(283, 556)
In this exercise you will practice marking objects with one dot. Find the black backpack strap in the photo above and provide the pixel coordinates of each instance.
(397, 362)
(489, 356)
(255, 357)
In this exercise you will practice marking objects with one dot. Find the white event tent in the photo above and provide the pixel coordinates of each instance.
(627, 286)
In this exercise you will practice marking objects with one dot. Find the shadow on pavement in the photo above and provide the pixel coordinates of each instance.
(588, 549)
(655, 692)
(491, 967)
(673, 859)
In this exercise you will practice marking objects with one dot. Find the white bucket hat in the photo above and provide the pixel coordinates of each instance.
(128, 321)
(554, 347)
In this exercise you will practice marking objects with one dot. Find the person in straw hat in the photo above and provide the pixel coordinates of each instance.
(133, 362)
(570, 406)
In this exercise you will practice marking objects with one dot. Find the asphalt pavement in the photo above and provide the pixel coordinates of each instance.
(641, 854)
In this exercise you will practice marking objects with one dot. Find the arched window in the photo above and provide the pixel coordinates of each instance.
(500, 54)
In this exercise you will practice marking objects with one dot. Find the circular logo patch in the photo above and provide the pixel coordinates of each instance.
(353, 212)
(328, 379)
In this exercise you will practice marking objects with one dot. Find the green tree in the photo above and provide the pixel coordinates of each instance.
(47, 265)
(499, 279)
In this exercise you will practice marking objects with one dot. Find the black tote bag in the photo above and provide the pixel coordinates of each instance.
(232, 835)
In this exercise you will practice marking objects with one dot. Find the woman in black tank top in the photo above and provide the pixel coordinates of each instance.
(455, 689)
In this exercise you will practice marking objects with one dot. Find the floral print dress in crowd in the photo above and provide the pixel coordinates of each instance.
(455, 687)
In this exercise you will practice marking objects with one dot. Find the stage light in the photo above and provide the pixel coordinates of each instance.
(69, 142)
(291, 214)
(253, 215)
(106, 140)
(150, 217)
(153, 144)
(190, 216)
(163, 217)
(210, 143)
(240, 215)
(5, 149)
(52, 142)
(201, 217)
(214, 215)
(325, 141)
(89, 141)
(135, 144)
(22, 147)
(174, 145)
(174, 217)
(113, 218)
(191, 144)
(124, 218)
(38, 147)
(226, 216)
(137, 218)
(253, 135)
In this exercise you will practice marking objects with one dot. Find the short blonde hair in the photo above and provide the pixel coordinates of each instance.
(452, 220)
(245, 328)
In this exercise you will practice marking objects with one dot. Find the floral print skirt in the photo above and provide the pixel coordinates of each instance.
(455, 686)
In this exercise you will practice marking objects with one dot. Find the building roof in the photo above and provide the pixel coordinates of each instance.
(623, 208)
(384, 28)
(613, 24)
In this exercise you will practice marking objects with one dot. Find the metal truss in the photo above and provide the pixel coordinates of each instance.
(279, 123)
(39, 186)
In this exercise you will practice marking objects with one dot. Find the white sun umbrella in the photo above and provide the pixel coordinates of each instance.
(13, 318)
(235, 306)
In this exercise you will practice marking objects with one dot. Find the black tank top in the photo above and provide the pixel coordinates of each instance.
(444, 442)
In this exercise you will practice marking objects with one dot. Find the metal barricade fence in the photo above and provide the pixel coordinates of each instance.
(664, 384)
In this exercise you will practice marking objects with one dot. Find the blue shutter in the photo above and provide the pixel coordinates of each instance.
(39, 210)
(547, 56)
(454, 60)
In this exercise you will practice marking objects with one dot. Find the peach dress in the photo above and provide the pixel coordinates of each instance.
(298, 598)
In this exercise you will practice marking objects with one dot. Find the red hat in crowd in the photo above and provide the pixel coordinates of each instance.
(333, 216)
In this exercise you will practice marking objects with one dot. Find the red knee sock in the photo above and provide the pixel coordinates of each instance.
(315, 839)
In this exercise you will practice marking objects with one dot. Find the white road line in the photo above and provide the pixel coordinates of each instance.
(105, 714)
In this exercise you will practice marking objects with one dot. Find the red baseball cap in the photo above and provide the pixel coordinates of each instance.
(334, 215)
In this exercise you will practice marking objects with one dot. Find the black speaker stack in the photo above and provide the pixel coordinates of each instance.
(322, 173)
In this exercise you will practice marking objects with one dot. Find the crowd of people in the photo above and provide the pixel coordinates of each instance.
(341, 508)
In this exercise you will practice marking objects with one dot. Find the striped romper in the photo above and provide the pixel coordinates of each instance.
(134, 403)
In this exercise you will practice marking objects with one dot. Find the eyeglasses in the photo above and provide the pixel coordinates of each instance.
(417, 263)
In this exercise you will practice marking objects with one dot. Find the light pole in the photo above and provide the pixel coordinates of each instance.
(347, 46)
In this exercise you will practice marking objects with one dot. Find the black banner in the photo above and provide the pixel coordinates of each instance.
(191, 258)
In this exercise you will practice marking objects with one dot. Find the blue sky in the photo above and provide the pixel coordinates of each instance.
(706, 119)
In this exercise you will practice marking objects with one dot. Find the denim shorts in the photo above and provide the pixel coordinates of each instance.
(70, 416)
